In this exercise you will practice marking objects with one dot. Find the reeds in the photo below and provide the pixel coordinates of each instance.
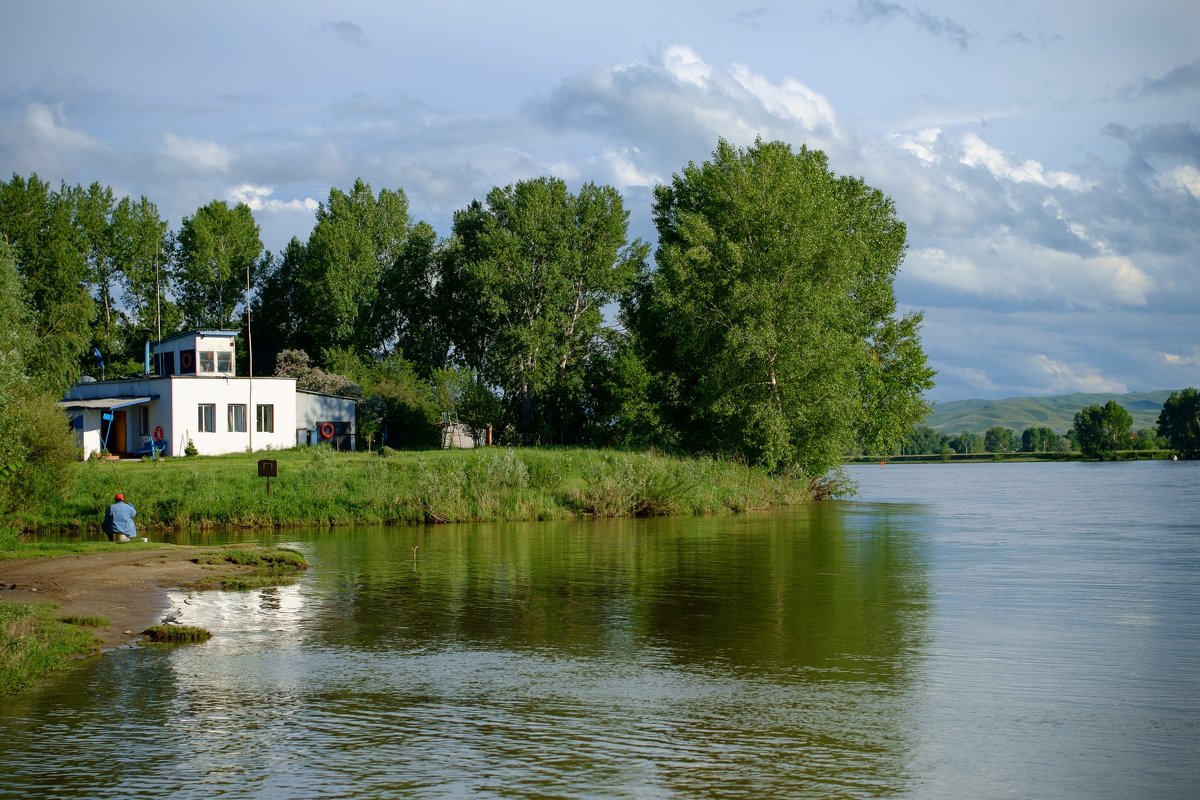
(317, 486)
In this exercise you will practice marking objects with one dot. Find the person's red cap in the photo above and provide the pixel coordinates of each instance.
(120, 496)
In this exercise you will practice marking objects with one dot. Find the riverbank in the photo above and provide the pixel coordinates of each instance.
(100, 596)
(316, 486)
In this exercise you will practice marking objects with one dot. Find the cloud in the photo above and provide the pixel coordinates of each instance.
(344, 32)
(868, 11)
(751, 16)
(258, 198)
(1182, 79)
(1058, 377)
(977, 153)
(1006, 268)
(1185, 178)
(196, 153)
(675, 107)
(41, 140)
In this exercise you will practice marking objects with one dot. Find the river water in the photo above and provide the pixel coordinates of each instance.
(955, 631)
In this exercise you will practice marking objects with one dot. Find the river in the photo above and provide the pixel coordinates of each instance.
(954, 631)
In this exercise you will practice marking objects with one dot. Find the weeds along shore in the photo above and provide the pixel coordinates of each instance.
(316, 486)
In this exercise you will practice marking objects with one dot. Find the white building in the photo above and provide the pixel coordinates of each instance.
(193, 394)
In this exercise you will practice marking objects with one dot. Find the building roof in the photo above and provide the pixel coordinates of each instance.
(110, 403)
(196, 332)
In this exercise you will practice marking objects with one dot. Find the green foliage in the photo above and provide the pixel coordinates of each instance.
(85, 621)
(999, 439)
(522, 286)
(1040, 440)
(319, 486)
(177, 634)
(1179, 422)
(217, 255)
(1103, 431)
(769, 325)
(36, 445)
(50, 252)
(34, 644)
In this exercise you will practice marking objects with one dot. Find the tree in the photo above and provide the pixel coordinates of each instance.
(1102, 431)
(139, 238)
(1179, 422)
(35, 443)
(922, 440)
(50, 254)
(1039, 440)
(999, 439)
(364, 279)
(966, 442)
(522, 286)
(217, 254)
(770, 322)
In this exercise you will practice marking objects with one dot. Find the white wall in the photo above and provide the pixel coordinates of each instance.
(188, 393)
(176, 409)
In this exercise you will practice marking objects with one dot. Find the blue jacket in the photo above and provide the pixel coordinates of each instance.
(119, 519)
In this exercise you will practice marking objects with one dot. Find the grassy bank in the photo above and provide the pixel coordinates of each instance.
(34, 644)
(317, 486)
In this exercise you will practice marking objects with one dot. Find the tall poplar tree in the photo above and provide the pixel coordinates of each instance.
(522, 287)
(770, 324)
(217, 249)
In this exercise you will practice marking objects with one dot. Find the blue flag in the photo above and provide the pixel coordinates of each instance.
(99, 358)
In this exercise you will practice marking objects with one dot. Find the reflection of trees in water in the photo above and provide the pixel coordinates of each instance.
(785, 641)
(829, 590)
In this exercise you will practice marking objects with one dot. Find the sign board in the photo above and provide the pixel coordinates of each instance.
(268, 468)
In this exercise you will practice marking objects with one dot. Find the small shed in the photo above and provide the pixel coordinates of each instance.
(326, 419)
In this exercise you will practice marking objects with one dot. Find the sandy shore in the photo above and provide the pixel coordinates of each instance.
(126, 586)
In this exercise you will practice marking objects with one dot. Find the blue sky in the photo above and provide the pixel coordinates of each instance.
(1045, 156)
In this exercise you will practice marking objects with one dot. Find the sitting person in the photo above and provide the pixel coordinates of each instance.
(118, 520)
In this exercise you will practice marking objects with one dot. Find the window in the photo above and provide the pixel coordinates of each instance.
(237, 417)
(266, 419)
(206, 362)
(225, 362)
(208, 418)
(143, 421)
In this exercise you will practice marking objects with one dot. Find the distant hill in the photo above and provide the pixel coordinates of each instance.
(1056, 413)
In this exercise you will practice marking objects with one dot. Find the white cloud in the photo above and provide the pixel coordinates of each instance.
(258, 198)
(625, 172)
(978, 153)
(685, 65)
(40, 140)
(789, 99)
(921, 144)
(1063, 378)
(1185, 178)
(1005, 267)
(196, 153)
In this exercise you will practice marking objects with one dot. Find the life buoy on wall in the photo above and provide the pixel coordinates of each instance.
(158, 433)
(186, 361)
(327, 430)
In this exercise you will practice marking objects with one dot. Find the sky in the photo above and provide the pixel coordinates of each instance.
(1045, 156)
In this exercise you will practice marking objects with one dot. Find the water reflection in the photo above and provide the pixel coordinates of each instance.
(736, 657)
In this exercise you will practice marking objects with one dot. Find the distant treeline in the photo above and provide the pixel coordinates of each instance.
(1097, 431)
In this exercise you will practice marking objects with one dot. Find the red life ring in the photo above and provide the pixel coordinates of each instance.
(185, 360)
(158, 433)
(327, 430)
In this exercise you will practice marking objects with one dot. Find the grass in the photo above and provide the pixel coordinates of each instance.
(319, 487)
(271, 568)
(85, 621)
(33, 644)
(177, 634)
